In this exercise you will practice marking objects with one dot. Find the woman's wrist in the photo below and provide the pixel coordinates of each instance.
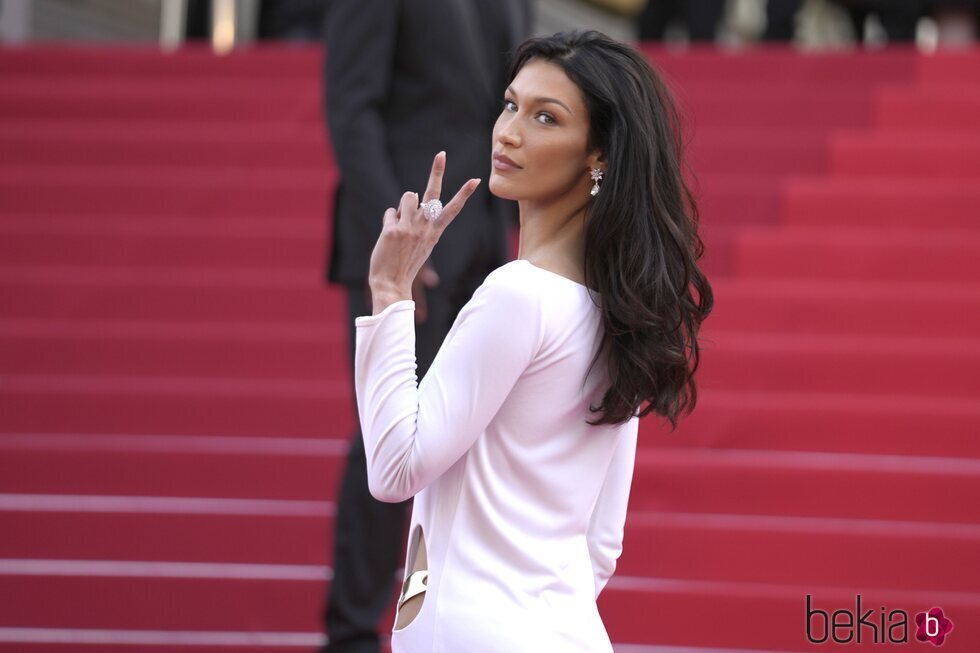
(384, 294)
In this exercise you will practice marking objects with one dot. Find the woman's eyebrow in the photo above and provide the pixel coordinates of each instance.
(543, 99)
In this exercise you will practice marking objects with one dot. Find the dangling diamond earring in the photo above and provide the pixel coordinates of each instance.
(596, 176)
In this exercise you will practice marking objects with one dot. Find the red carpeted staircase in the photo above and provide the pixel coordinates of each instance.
(175, 394)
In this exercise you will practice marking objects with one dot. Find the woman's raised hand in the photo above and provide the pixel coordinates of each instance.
(408, 237)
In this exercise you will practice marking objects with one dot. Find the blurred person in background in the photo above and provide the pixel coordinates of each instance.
(700, 17)
(291, 20)
(957, 21)
(404, 80)
(898, 17)
(276, 20)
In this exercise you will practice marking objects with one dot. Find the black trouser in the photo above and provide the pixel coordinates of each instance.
(369, 535)
(700, 16)
(898, 17)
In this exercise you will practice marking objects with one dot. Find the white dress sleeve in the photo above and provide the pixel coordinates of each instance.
(414, 433)
(605, 534)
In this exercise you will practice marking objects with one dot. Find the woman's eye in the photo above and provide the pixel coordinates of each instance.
(549, 119)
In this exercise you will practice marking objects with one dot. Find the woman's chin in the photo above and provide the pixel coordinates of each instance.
(500, 188)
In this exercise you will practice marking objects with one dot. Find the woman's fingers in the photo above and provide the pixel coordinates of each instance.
(390, 217)
(408, 237)
(408, 205)
(434, 189)
(451, 210)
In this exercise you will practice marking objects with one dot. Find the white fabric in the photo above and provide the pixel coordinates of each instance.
(522, 503)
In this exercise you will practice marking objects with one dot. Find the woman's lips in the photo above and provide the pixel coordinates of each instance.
(501, 162)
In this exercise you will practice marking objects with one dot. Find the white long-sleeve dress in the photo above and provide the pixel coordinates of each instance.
(522, 504)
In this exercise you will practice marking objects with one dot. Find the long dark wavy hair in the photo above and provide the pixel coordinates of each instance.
(641, 230)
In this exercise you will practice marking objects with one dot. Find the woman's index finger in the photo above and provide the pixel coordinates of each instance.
(455, 205)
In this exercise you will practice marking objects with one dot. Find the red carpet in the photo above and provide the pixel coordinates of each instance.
(175, 392)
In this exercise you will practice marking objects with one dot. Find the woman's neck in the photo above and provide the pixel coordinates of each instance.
(553, 237)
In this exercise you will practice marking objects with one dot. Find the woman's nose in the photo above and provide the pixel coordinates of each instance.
(509, 134)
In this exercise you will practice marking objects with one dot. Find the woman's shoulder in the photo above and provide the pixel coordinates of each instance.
(514, 283)
(519, 288)
(525, 281)
(521, 271)
(510, 272)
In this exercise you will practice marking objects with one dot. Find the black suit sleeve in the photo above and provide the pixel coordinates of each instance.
(360, 56)
(529, 18)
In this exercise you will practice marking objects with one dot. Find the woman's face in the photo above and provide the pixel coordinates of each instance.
(543, 128)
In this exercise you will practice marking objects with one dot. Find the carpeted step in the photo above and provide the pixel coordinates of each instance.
(162, 143)
(860, 253)
(175, 180)
(856, 486)
(775, 62)
(69, 404)
(948, 66)
(57, 88)
(776, 111)
(155, 109)
(53, 87)
(818, 552)
(231, 351)
(173, 100)
(86, 199)
(948, 107)
(734, 199)
(258, 63)
(136, 595)
(164, 191)
(862, 364)
(142, 292)
(46, 243)
(909, 154)
(275, 532)
(841, 306)
(758, 151)
(310, 475)
(203, 226)
(838, 422)
(881, 202)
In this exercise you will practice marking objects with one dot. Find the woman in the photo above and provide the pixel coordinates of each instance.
(519, 443)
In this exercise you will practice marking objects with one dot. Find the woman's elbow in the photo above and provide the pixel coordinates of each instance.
(388, 491)
(393, 475)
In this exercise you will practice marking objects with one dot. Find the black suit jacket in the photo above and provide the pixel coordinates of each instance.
(405, 79)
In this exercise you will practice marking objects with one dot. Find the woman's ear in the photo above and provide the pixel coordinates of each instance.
(597, 160)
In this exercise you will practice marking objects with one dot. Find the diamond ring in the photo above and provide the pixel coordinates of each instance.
(431, 209)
